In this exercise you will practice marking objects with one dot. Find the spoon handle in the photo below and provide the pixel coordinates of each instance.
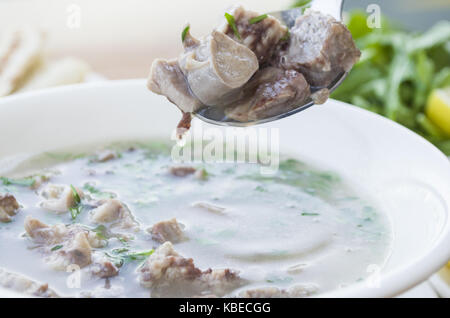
(331, 7)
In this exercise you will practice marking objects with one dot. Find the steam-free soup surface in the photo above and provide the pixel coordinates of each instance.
(297, 233)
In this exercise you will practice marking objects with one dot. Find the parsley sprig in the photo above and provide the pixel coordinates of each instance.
(185, 32)
(258, 19)
(232, 24)
(77, 207)
(122, 256)
(25, 182)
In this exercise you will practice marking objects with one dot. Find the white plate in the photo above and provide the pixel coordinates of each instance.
(407, 176)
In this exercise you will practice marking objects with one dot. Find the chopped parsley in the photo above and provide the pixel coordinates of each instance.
(122, 256)
(286, 36)
(25, 182)
(102, 232)
(76, 209)
(258, 19)
(56, 247)
(232, 24)
(185, 32)
(310, 214)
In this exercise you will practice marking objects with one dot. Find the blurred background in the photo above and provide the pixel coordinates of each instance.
(120, 38)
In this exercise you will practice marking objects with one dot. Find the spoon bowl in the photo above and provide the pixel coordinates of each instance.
(216, 115)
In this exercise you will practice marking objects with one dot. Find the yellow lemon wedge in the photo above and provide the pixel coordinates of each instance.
(438, 109)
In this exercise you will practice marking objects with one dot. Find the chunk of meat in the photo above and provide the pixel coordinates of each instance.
(8, 207)
(181, 171)
(261, 37)
(78, 251)
(264, 292)
(65, 244)
(106, 155)
(114, 213)
(166, 272)
(22, 284)
(220, 282)
(184, 125)
(321, 96)
(271, 92)
(166, 266)
(320, 48)
(167, 231)
(59, 198)
(104, 269)
(216, 67)
(296, 291)
(167, 79)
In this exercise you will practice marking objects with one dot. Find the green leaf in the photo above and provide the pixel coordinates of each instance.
(232, 24)
(56, 247)
(185, 32)
(122, 256)
(438, 34)
(102, 232)
(301, 3)
(76, 196)
(310, 214)
(25, 182)
(286, 36)
(258, 19)
(76, 209)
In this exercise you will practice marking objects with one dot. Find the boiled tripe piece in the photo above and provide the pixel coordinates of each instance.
(22, 284)
(61, 72)
(167, 79)
(217, 66)
(115, 214)
(20, 52)
(203, 74)
(167, 231)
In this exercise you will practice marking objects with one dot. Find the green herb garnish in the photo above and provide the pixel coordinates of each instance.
(258, 19)
(286, 36)
(310, 214)
(185, 32)
(56, 247)
(301, 3)
(232, 24)
(122, 256)
(97, 192)
(304, 4)
(102, 232)
(25, 182)
(75, 210)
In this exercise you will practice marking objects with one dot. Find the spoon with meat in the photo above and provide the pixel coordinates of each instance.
(257, 68)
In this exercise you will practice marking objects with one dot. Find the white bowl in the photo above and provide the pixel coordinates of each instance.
(405, 174)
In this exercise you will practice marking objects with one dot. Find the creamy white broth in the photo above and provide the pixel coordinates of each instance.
(302, 226)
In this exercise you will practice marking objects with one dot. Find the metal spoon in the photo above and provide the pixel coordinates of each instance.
(216, 115)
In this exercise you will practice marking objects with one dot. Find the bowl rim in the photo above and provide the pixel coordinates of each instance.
(392, 283)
